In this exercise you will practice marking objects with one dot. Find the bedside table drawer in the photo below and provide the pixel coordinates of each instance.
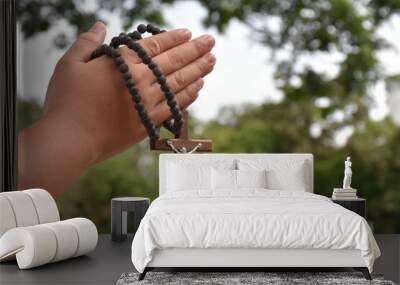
(358, 206)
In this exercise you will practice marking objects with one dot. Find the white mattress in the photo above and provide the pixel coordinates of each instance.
(251, 219)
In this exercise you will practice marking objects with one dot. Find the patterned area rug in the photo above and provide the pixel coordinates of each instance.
(243, 278)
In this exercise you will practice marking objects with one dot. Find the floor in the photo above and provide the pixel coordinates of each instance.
(389, 262)
(110, 260)
(102, 266)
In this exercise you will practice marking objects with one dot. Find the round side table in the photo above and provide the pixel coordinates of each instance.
(120, 207)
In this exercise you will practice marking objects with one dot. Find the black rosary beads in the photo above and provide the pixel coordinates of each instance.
(130, 40)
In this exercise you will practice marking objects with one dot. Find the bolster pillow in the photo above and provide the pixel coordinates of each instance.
(26, 208)
(40, 244)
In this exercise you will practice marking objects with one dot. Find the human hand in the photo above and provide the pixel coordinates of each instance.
(88, 110)
(95, 93)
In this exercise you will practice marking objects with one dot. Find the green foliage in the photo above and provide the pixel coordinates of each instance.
(131, 173)
(376, 152)
(28, 111)
(315, 108)
(36, 16)
(374, 148)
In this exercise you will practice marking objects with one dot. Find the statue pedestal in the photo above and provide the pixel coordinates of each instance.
(344, 193)
(344, 190)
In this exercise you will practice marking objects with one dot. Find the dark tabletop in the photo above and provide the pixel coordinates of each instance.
(130, 199)
(102, 266)
(110, 259)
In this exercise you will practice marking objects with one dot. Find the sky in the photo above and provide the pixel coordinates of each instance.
(243, 73)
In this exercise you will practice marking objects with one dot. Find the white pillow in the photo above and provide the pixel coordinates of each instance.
(251, 178)
(223, 179)
(295, 180)
(281, 174)
(188, 177)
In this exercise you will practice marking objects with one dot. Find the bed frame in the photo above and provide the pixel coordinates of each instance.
(249, 258)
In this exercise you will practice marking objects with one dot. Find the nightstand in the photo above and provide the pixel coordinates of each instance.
(357, 205)
(120, 207)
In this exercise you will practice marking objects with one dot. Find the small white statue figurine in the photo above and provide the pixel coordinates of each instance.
(347, 174)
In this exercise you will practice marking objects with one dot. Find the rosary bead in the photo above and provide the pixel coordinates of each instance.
(169, 95)
(179, 119)
(171, 103)
(141, 52)
(135, 35)
(177, 129)
(129, 83)
(114, 53)
(107, 50)
(142, 111)
(114, 42)
(175, 110)
(136, 99)
(165, 88)
(148, 124)
(123, 68)
(153, 134)
(157, 72)
(140, 107)
(146, 120)
(150, 28)
(119, 60)
(127, 75)
(133, 46)
(156, 31)
(146, 59)
(168, 124)
(94, 54)
(152, 65)
(141, 28)
(134, 93)
(161, 79)
(100, 51)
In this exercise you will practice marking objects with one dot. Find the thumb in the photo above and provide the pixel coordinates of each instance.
(87, 42)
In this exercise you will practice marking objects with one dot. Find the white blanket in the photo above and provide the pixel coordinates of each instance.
(250, 219)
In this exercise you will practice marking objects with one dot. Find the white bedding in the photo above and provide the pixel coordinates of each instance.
(251, 218)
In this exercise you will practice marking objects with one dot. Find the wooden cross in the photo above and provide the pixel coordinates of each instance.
(182, 143)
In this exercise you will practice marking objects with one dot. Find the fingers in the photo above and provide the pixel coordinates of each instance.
(87, 42)
(180, 79)
(157, 44)
(177, 57)
(184, 98)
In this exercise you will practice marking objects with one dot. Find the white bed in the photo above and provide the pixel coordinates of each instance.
(210, 226)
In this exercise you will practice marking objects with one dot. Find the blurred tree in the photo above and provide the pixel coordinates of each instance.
(302, 29)
(374, 148)
(316, 106)
(28, 111)
(36, 16)
(131, 173)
